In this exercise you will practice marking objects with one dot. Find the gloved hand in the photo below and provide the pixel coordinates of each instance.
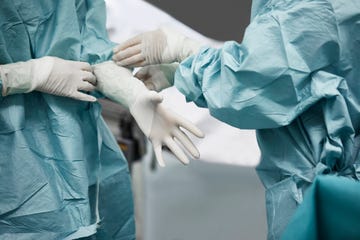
(160, 46)
(50, 75)
(157, 77)
(160, 125)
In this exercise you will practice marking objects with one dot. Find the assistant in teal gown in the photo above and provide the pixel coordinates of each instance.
(62, 175)
(296, 79)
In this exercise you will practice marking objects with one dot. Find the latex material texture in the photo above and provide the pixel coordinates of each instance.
(160, 125)
(163, 45)
(157, 77)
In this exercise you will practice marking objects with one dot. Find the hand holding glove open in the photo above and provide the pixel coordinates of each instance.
(162, 126)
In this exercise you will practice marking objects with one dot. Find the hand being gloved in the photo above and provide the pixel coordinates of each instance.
(157, 77)
(163, 45)
(160, 125)
(49, 75)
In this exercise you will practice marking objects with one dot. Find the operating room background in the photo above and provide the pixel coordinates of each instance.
(221, 20)
(220, 196)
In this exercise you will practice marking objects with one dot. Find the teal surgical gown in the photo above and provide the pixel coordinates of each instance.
(295, 78)
(330, 210)
(62, 175)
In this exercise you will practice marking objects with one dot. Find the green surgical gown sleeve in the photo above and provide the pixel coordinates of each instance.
(265, 82)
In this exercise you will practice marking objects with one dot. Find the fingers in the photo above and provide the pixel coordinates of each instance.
(189, 126)
(133, 61)
(84, 66)
(126, 53)
(176, 150)
(89, 77)
(129, 43)
(86, 86)
(158, 153)
(83, 97)
(186, 142)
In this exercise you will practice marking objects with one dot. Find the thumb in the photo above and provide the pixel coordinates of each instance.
(155, 97)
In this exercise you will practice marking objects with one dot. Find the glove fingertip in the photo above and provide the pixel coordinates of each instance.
(116, 49)
(91, 99)
(85, 98)
(200, 134)
(196, 155)
(197, 132)
(185, 161)
(158, 155)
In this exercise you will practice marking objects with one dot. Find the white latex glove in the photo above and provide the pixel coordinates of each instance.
(160, 125)
(163, 45)
(50, 75)
(157, 77)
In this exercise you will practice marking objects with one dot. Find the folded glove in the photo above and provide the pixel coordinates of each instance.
(160, 125)
(157, 77)
(163, 45)
(49, 75)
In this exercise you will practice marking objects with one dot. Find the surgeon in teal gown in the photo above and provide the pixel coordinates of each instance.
(295, 78)
(62, 175)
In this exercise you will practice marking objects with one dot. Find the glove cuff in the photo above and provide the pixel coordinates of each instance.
(23, 77)
(190, 47)
(16, 78)
(178, 46)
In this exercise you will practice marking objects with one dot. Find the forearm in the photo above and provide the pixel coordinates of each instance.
(122, 90)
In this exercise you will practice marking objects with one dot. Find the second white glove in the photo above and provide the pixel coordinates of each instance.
(160, 125)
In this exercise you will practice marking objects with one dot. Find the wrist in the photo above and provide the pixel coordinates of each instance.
(41, 70)
(16, 78)
(190, 47)
(137, 90)
(24, 77)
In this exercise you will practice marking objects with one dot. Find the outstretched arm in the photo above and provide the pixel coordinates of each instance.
(162, 126)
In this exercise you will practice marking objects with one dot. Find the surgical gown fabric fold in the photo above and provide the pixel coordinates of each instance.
(330, 211)
(62, 175)
(296, 79)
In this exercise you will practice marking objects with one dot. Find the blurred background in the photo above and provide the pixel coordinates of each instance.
(218, 196)
(221, 20)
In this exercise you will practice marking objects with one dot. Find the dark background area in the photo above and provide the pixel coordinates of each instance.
(220, 19)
